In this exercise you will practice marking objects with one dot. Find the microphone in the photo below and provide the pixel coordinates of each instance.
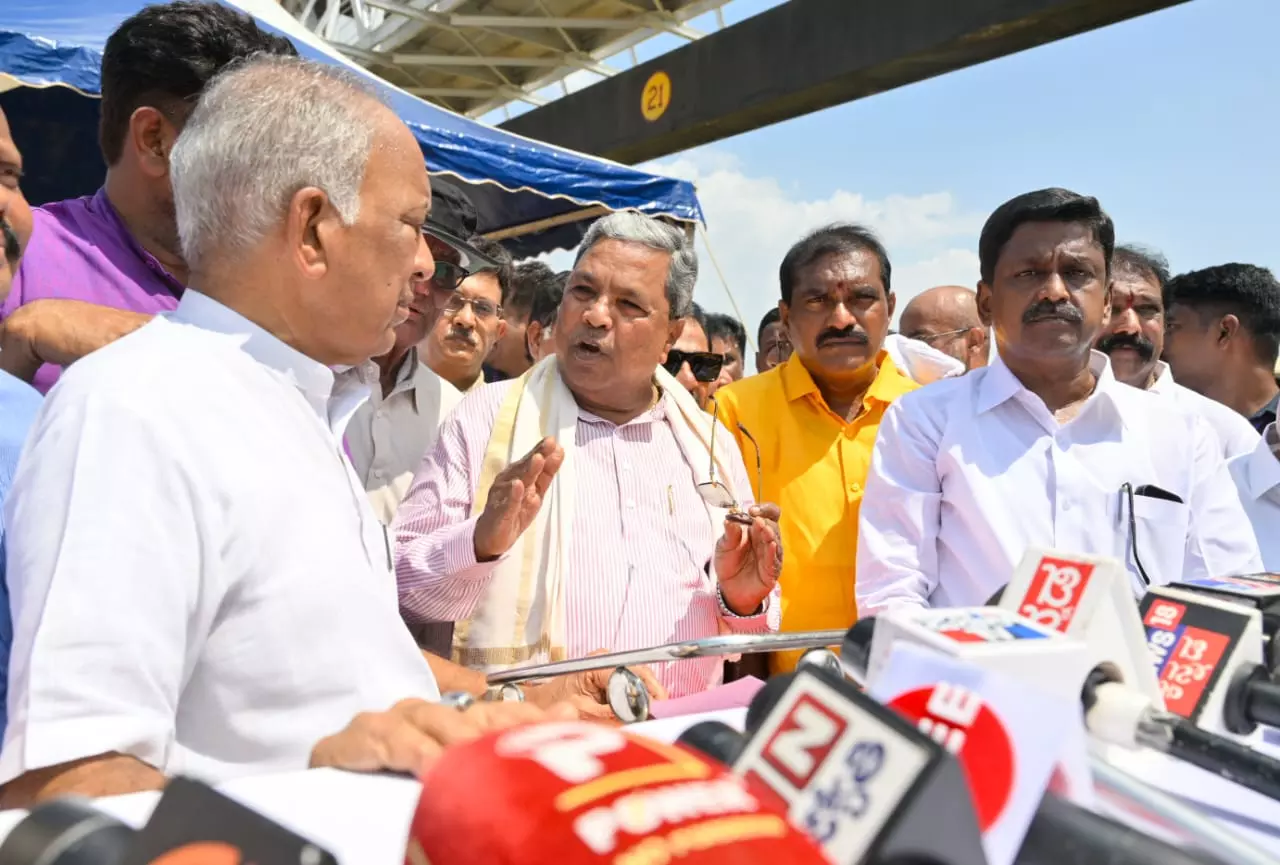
(865, 783)
(1208, 653)
(67, 832)
(1260, 592)
(995, 639)
(577, 793)
(1060, 833)
(191, 822)
(1087, 597)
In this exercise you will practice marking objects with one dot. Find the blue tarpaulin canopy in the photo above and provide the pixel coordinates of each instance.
(533, 196)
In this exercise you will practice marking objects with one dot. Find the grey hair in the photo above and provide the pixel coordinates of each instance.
(635, 227)
(263, 130)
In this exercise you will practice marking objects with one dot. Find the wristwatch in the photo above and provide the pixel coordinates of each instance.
(508, 693)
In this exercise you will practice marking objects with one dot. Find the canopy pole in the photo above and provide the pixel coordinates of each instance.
(706, 240)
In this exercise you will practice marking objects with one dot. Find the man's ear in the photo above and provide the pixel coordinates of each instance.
(891, 301)
(1106, 303)
(150, 137)
(310, 230)
(984, 303)
(784, 316)
(674, 329)
(502, 330)
(1228, 328)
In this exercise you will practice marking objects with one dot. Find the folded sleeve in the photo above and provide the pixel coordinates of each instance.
(111, 583)
(899, 521)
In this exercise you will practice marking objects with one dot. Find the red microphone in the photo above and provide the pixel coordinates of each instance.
(580, 794)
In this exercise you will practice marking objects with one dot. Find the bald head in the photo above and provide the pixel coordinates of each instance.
(946, 317)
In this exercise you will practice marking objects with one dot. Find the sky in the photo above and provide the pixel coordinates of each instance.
(1171, 120)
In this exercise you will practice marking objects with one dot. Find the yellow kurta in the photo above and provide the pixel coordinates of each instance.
(814, 466)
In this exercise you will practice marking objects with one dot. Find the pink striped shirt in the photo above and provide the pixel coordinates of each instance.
(641, 548)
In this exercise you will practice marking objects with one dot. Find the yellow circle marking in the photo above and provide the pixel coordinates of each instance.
(656, 96)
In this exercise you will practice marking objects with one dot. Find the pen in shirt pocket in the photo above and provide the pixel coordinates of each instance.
(671, 501)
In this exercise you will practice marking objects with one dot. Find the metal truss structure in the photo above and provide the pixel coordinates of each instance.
(477, 56)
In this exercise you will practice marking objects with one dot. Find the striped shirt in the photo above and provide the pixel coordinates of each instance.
(641, 541)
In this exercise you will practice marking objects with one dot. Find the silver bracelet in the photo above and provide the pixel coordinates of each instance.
(725, 611)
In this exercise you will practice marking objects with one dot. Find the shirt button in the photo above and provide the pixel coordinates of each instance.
(631, 504)
(855, 488)
(1066, 506)
(626, 467)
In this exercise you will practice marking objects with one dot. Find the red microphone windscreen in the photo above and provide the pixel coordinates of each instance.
(582, 794)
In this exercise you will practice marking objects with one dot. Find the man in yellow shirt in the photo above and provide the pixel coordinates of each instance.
(813, 419)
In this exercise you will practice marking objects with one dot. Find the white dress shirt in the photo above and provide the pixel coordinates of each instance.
(1257, 477)
(197, 578)
(1236, 435)
(969, 472)
(387, 437)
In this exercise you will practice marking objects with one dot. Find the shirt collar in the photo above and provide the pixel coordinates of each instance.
(111, 217)
(999, 384)
(1266, 414)
(310, 376)
(1164, 379)
(889, 383)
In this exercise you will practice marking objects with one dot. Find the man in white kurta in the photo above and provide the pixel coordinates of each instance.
(198, 582)
(1043, 447)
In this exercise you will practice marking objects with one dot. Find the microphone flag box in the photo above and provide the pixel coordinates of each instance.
(860, 779)
(1196, 644)
(1013, 742)
(1087, 597)
(990, 637)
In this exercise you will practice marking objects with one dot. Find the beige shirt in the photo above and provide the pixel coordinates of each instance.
(387, 437)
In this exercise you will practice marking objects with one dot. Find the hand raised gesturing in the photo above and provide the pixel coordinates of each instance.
(515, 498)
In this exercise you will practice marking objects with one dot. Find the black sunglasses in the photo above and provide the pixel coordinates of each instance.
(705, 365)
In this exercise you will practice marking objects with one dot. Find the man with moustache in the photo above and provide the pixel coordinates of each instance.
(583, 506)
(1134, 338)
(773, 346)
(1043, 447)
(19, 402)
(101, 266)
(810, 423)
(691, 359)
(470, 322)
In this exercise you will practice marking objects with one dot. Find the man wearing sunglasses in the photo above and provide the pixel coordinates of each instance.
(471, 322)
(691, 360)
(815, 417)
(388, 435)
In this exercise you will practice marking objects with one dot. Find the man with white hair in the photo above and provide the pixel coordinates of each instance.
(199, 584)
(591, 503)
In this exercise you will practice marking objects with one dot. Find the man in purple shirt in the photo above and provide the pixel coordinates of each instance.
(119, 247)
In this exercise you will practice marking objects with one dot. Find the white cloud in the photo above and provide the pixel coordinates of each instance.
(753, 220)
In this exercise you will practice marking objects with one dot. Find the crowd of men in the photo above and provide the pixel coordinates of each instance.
(319, 457)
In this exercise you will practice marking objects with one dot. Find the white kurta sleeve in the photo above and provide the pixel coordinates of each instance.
(1221, 542)
(110, 581)
(899, 521)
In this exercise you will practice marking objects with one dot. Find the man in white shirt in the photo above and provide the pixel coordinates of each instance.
(177, 608)
(1044, 446)
(1133, 339)
(1257, 477)
(389, 434)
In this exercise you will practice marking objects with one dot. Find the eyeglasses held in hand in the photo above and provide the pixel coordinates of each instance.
(705, 365)
(717, 494)
(483, 310)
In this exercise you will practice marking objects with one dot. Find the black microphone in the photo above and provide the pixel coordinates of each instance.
(1114, 712)
(191, 818)
(1060, 833)
(67, 832)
